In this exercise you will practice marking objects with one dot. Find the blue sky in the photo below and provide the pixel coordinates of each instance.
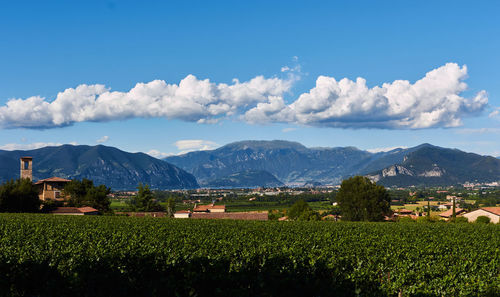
(49, 47)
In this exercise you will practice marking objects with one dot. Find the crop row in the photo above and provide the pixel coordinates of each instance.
(43, 255)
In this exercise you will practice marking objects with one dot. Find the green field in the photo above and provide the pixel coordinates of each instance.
(43, 255)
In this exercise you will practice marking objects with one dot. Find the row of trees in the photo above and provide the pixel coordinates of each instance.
(21, 195)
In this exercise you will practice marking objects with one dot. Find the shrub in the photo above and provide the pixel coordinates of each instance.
(459, 220)
(483, 220)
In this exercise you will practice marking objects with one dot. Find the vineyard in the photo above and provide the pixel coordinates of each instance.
(44, 255)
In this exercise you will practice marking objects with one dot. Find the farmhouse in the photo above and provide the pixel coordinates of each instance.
(49, 188)
(209, 208)
(182, 214)
(491, 212)
(76, 211)
(449, 213)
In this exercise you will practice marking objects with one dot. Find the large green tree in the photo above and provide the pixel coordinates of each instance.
(19, 196)
(145, 200)
(301, 211)
(360, 199)
(84, 193)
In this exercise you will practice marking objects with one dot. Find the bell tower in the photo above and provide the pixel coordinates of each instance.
(26, 167)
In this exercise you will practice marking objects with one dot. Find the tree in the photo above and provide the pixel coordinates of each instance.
(454, 215)
(19, 196)
(144, 200)
(301, 211)
(84, 193)
(170, 207)
(360, 199)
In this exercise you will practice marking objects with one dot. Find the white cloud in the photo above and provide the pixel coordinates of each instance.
(157, 154)
(385, 149)
(190, 145)
(29, 146)
(433, 101)
(103, 139)
(478, 131)
(286, 130)
(190, 100)
(495, 113)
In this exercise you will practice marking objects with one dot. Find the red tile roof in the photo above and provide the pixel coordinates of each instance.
(53, 179)
(85, 209)
(62, 210)
(206, 208)
(494, 210)
(449, 212)
(183, 211)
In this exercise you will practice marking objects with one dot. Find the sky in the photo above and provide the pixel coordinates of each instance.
(165, 77)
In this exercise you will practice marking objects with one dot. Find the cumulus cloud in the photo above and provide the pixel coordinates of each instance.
(190, 145)
(286, 130)
(385, 149)
(103, 139)
(433, 101)
(495, 113)
(29, 146)
(157, 154)
(192, 100)
(478, 131)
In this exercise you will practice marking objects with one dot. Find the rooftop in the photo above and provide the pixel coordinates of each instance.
(53, 179)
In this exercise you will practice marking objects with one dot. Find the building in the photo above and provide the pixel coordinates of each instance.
(182, 214)
(491, 212)
(445, 206)
(209, 208)
(51, 188)
(449, 213)
(75, 211)
(27, 168)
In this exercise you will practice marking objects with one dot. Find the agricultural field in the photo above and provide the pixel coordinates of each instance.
(43, 255)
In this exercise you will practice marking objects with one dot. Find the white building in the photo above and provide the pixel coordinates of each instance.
(491, 212)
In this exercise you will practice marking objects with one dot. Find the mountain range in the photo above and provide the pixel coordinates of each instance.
(296, 165)
(104, 165)
(255, 164)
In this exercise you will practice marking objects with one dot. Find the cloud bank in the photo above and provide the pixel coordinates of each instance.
(190, 145)
(433, 101)
(29, 146)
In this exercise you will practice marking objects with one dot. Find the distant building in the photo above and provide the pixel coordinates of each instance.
(75, 211)
(491, 212)
(209, 208)
(449, 213)
(182, 214)
(51, 188)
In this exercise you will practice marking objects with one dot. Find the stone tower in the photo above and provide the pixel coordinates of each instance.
(26, 167)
